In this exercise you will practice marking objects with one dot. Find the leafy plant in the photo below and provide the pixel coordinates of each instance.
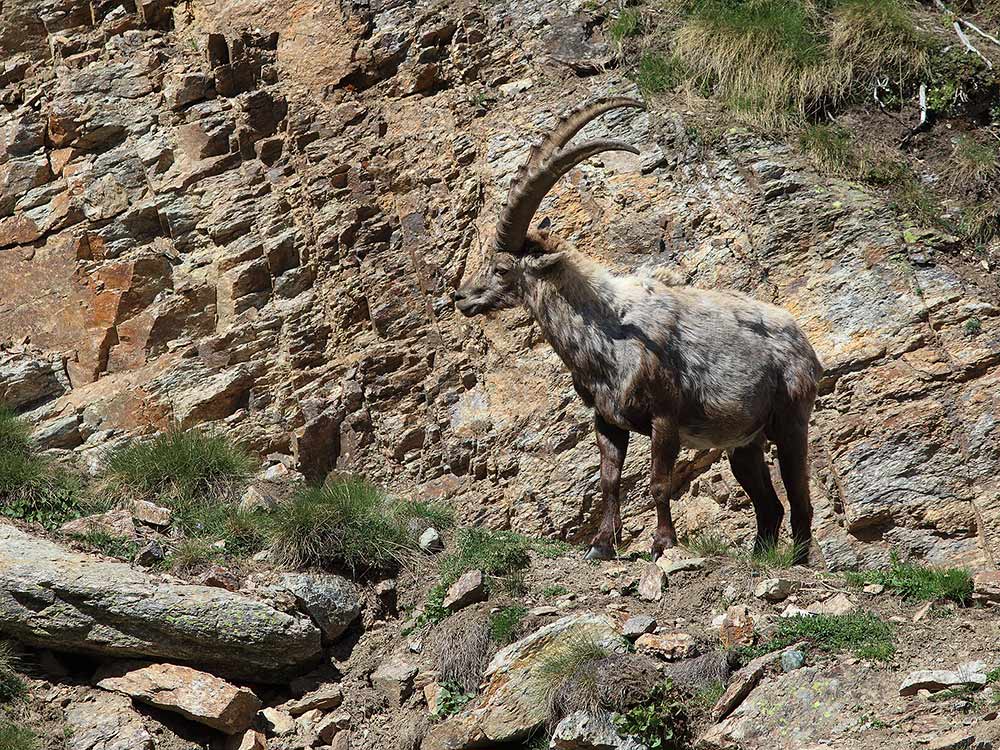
(917, 582)
(627, 23)
(451, 699)
(554, 590)
(862, 633)
(505, 625)
(660, 724)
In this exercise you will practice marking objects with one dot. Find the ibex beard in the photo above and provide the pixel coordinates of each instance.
(688, 367)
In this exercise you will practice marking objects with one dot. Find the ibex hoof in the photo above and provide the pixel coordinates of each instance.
(600, 553)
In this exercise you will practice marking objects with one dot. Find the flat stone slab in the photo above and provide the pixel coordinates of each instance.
(68, 601)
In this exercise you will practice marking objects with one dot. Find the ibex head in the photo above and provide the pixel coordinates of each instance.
(498, 285)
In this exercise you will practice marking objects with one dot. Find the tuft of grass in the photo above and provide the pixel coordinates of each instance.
(15, 737)
(346, 522)
(555, 590)
(463, 647)
(30, 487)
(12, 686)
(777, 557)
(976, 163)
(708, 544)
(919, 583)
(178, 466)
(572, 666)
(627, 23)
(973, 327)
(109, 544)
(830, 148)
(441, 517)
(862, 633)
(192, 556)
(506, 625)
(878, 38)
(657, 73)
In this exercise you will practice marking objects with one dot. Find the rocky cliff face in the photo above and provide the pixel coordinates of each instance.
(250, 217)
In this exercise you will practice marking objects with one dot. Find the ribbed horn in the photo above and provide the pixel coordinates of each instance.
(546, 164)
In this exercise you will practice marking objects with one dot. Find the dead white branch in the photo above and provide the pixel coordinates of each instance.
(968, 45)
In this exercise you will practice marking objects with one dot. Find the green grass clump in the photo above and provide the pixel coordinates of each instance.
(346, 522)
(830, 148)
(12, 686)
(555, 590)
(975, 162)
(505, 625)
(919, 583)
(708, 544)
(776, 557)
(627, 23)
(193, 556)
(15, 737)
(177, 466)
(30, 487)
(657, 73)
(862, 633)
(109, 544)
(441, 517)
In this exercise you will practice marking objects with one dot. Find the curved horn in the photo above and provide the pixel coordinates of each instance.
(517, 214)
(521, 207)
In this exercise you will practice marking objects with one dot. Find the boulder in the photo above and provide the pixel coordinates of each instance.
(331, 600)
(508, 709)
(638, 625)
(430, 541)
(150, 513)
(323, 698)
(468, 589)
(940, 679)
(196, 695)
(114, 523)
(394, 679)
(585, 731)
(67, 601)
(106, 723)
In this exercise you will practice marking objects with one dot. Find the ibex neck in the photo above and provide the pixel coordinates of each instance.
(574, 310)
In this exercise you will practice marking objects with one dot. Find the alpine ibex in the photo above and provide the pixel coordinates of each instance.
(688, 367)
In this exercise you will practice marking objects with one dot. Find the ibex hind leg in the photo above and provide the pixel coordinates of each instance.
(751, 472)
(792, 442)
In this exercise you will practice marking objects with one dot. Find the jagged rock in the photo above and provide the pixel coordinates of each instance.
(430, 541)
(670, 646)
(219, 577)
(151, 513)
(108, 722)
(792, 660)
(683, 565)
(838, 604)
(737, 627)
(195, 695)
(114, 522)
(67, 601)
(583, 731)
(249, 740)
(940, 679)
(332, 601)
(638, 625)
(149, 554)
(986, 586)
(775, 589)
(323, 698)
(508, 710)
(468, 589)
(26, 380)
(394, 679)
(63, 432)
(279, 723)
(651, 582)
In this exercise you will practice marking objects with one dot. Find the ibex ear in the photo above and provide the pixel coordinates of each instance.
(540, 265)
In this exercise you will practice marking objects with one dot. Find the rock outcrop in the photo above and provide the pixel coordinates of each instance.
(69, 601)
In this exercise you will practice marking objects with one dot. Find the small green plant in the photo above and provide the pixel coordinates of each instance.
(346, 522)
(12, 686)
(555, 590)
(917, 582)
(178, 466)
(657, 73)
(505, 625)
(627, 23)
(15, 737)
(830, 148)
(109, 544)
(659, 724)
(30, 487)
(708, 544)
(862, 633)
(451, 700)
(192, 556)
(973, 327)
(775, 557)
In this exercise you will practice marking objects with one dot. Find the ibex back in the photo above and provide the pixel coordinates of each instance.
(688, 367)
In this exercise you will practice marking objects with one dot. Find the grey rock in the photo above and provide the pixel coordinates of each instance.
(651, 582)
(430, 541)
(638, 625)
(682, 565)
(62, 432)
(54, 598)
(149, 554)
(394, 679)
(26, 380)
(792, 660)
(775, 589)
(106, 723)
(940, 679)
(331, 600)
(585, 731)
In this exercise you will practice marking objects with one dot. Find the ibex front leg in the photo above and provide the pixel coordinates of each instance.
(613, 443)
(665, 447)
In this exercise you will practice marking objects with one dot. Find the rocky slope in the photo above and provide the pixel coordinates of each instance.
(250, 216)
